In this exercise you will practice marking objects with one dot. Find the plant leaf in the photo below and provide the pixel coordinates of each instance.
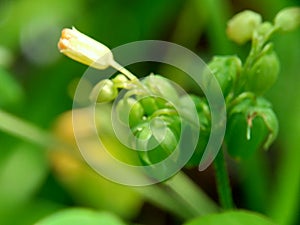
(232, 218)
(77, 216)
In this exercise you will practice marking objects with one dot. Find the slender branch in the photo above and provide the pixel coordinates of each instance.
(191, 195)
(123, 70)
(180, 196)
(160, 196)
(27, 131)
(222, 179)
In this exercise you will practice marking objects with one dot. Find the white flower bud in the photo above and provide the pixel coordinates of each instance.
(84, 49)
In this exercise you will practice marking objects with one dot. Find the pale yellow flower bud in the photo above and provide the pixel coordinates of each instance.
(241, 27)
(84, 49)
(288, 19)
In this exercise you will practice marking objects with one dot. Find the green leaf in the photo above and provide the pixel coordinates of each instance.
(31, 212)
(79, 217)
(21, 175)
(232, 218)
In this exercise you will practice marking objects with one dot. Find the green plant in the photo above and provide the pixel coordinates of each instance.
(251, 122)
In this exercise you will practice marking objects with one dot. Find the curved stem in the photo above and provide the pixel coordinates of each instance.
(190, 195)
(25, 130)
(241, 97)
(222, 180)
(123, 70)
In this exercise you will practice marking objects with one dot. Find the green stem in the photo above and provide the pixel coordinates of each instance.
(241, 97)
(180, 196)
(123, 70)
(161, 197)
(222, 179)
(25, 130)
(191, 195)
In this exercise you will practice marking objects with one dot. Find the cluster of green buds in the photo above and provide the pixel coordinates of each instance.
(149, 109)
(251, 123)
(148, 106)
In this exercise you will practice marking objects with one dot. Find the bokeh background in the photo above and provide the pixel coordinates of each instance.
(37, 84)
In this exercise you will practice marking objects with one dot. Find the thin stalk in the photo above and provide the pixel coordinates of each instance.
(134, 80)
(123, 70)
(25, 130)
(160, 196)
(191, 195)
(222, 180)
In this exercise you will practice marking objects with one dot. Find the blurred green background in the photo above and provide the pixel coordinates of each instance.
(36, 84)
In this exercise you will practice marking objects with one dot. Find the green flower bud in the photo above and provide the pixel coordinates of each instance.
(252, 124)
(238, 144)
(149, 105)
(104, 91)
(270, 121)
(226, 70)
(263, 31)
(288, 19)
(120, 81)
(161, 87)
(240, 28)
(136, 114)
(263, 73)
(130, 111)
(157, 138)
(156, 105)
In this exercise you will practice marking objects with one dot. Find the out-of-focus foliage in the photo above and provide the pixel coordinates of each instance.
(81, 216)
(84, 185)
(232, 218)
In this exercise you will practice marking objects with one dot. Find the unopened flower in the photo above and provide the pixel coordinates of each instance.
(263, 74)
(84, 49)
(240, 28)
(104, 91)
(288, 19)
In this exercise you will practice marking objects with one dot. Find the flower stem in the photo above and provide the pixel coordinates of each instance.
(123, 70)
(222, 180)
(191, 195)
(25, 130)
